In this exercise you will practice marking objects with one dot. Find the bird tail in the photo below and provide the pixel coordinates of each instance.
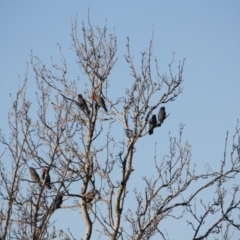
(150, 131)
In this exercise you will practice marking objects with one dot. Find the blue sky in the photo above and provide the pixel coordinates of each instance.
(206, 33)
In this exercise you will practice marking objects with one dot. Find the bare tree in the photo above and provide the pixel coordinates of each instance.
(60, 145)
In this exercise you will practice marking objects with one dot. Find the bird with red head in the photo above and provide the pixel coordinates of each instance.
(99, 100)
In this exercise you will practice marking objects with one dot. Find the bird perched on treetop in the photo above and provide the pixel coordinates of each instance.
(45, 175)
(82, 104)
(59, 201)
(34, 175)
(99, 100)
(152, 124)
(161, 115)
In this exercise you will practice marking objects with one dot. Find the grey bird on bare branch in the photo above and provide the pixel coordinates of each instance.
(161, 116)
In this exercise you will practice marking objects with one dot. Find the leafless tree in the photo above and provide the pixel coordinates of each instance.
(73, 142)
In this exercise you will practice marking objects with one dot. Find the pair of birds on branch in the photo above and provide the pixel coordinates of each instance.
(153, 121)
(83, 104)
(45, 177)
(89, 198)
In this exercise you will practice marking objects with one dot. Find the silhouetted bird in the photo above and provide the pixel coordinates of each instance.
(34, 175)
(152, 124)
(161, 115)
(82, 104)
(99, 100)
(59, 201)
(45, 175)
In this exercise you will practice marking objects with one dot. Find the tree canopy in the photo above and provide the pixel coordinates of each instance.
(65, 147)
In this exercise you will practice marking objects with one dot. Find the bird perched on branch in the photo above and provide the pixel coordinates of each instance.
(34, 175)
(82, 104)
(89, 196)
(59, 201)
(161, 115)
(99, 100)
(152, 124)
(46, 177)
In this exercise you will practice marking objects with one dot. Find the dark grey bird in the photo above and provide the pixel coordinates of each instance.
(82, 104)
(45, 175)
(152, 124)
(100, 102)
(161, 116)
(34, 175)
(89, 196)
(59, 201)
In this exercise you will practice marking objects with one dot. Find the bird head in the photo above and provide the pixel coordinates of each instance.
(80, 95)
(94, 96)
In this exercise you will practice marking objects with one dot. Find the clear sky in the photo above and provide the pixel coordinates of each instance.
(206, 33)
